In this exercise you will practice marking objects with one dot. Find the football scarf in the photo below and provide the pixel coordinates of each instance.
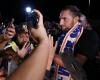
(66, 45)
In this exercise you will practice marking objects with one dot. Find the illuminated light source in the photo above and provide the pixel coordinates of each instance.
(28, 9)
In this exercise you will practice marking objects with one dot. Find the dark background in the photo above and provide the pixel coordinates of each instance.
(49, 8)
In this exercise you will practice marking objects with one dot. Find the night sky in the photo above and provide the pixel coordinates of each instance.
(49, 8)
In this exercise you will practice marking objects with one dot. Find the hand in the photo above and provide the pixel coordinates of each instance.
(58, 60)
(9, 33)
(2, 78)
(39, 34)
(24, 50)
(40, 16)
(51, 52)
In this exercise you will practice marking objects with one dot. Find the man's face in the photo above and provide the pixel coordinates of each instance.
(66, 20)
(23, 37)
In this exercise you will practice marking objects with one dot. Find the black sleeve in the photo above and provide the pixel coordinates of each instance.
(88, 44)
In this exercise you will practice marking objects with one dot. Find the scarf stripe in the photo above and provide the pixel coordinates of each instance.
(67, 35)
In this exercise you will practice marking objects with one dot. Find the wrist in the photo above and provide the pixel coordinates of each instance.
(44, 40)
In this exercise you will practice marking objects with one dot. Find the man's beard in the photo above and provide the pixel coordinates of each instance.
(65, 29)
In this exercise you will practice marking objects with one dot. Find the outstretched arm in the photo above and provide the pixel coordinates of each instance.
(35, 66)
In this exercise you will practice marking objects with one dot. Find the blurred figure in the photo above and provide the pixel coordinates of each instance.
(17, 51)
(22, 40)
(5, 38)
(87, 49)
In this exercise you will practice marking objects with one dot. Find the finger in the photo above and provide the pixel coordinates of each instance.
(38, 12)
(25, 44)
(17, 49)
(11, 30)
(40, 17)
(50, 41)
(28, 46)
(11, 26)
(51, 53)
(49, 36)
(10, 34)
(55, 45)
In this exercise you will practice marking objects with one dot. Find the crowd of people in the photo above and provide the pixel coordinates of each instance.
(68, 50)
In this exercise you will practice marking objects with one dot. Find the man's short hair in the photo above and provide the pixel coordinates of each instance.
(74, 9)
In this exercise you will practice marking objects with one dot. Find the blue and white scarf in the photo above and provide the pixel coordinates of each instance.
(66, 45)
(67, 41)
(63, 74)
